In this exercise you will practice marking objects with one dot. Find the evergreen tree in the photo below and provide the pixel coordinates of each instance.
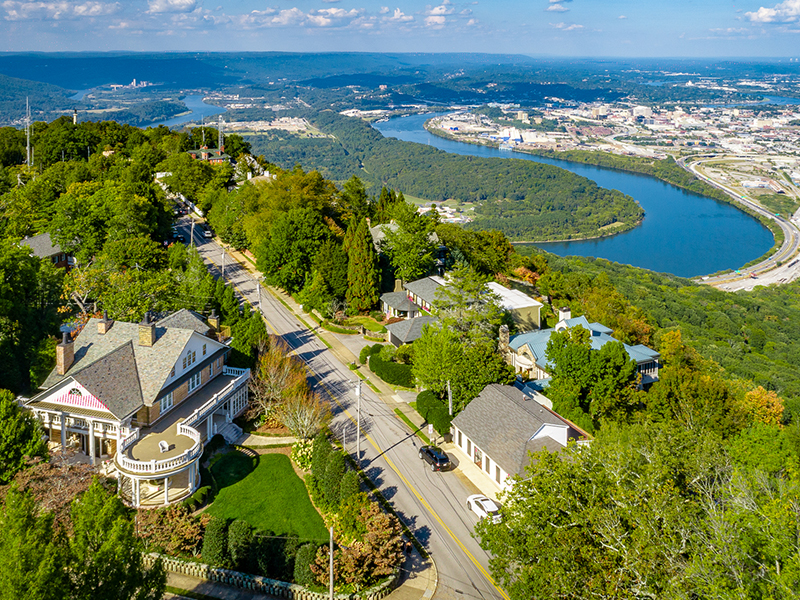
(20, 437)
(362, 271)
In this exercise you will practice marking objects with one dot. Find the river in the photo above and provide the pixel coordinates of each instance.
(682, 233)
(199, 110)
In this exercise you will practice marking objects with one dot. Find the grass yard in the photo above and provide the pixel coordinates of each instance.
(270, 497)
(368, 322)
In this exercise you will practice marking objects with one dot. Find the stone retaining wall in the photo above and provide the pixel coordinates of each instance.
(257, 583)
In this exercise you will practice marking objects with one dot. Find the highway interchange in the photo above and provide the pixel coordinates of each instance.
(431, 504)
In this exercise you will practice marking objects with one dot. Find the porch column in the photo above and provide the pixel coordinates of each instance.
(210, 427)
(91, 441)
(191, 476)
(136, 486)
(166, 490)
(63, 431)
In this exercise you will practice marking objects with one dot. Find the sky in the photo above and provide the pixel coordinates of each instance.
(583, 28)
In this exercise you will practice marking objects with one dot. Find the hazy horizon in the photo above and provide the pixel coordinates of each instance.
(535, 28)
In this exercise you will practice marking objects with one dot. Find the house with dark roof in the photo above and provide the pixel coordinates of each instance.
(526, 352)
(408, 331)
(211, 155)
(42, 246)
(143, 398)
(422, 292)
(502, 426)
(398, 304)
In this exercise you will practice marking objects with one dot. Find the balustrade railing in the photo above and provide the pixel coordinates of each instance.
(184, 428)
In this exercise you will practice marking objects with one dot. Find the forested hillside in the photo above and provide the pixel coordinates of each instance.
(524, 200)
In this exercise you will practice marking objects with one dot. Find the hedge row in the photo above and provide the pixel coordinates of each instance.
(434, 411)
(391, 372)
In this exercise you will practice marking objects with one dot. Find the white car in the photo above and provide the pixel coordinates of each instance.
(484, 507)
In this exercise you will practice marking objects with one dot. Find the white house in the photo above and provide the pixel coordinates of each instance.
(145, 396)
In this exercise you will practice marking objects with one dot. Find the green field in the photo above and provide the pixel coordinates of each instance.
(270, 497)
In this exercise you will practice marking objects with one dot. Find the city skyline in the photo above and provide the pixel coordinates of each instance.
(618, 28)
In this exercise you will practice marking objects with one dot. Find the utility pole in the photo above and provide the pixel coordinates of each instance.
(358, 423)
(219, 135)
(331, 564)
(449, 399)
(258, 285)
(223, 263)
(191, 236)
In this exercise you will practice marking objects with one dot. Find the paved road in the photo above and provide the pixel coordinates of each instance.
(766, 272)
(431, 504)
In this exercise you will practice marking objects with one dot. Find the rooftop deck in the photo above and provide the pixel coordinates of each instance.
(183, 429)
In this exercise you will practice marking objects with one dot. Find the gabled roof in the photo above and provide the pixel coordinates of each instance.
(186, 319)
(409, 330)
(114, 380)
(425, 288)
(502, 423)
(512, 299)
(399, 301)
(42, 245)
(153, 364)
(600, 336)
(378, 234)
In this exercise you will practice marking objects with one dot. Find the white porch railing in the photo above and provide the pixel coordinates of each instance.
(186, 427)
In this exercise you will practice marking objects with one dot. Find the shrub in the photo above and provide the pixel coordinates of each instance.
(349, 486)
(172, 530)
(377, 315)
(332, 481)
(434, 411)
(391, 372)
(405, 354)
(302, 451)
(315, 492)
(215, 543)
(302, 565)
(425, 400)
(319, 455)
(275, 555)
(240, 542)
(364, 355)
(351, 526)
(388, 352)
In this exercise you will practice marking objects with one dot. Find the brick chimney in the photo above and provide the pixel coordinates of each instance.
(65, 354)
(147, 331)
(104, 324)
(213, 320)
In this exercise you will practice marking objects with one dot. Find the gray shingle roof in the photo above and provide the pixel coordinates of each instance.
(409, 330)
(186, 319)
(114, 380)
(154, 364)
(42, 245)
(399, 301)
(425, 288)
(501, 422)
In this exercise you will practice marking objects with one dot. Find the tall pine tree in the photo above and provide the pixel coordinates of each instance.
(362, 270)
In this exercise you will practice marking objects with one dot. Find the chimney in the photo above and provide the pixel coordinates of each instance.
(65, 354)
(147, 331)
(504, 339)
(564, 313)
(213, 320)
(104, 324)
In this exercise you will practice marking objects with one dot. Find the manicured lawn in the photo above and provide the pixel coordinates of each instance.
(368, 323)
(270, 497)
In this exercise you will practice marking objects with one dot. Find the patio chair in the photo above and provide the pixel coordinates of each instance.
(163, 446)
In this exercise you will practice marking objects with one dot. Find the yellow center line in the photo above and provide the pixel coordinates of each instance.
(403, 479)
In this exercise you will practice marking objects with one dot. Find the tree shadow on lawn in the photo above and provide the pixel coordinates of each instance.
(231, 467)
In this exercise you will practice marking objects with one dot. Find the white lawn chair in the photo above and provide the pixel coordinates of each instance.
(163, 446)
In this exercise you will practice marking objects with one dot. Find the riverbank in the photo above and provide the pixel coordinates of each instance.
(668, 171)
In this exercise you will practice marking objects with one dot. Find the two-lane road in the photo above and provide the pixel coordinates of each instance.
(431, 504)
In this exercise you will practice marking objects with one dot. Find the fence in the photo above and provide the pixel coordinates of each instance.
(257, 583)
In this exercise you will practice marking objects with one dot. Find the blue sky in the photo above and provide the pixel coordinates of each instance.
(674, 28)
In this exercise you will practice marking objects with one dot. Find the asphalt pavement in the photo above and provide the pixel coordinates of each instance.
(431, 504)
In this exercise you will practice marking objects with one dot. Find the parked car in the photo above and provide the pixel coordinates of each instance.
(179, 238)
(207, 233)
(435, 457)
(484, 507)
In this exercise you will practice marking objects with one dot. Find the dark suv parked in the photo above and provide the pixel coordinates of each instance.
(435, 457)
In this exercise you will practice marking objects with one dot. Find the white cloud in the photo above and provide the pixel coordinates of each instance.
(399, 17)
(566, 27)
(445, 8)
(19, 11)
(472, 22)
(435, 21)
(556, 8)
(290, 16)
(622, 17)
(785, 12)
(170, 6)
(384, 10)
(559, 1)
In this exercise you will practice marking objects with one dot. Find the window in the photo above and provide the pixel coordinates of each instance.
(166, 403)
(172, 373)
(210, 370)
(184, 362)
(469, 446)
(488, 465)
(497, 473)
(204, 349)
(194, 382)
(460, 441)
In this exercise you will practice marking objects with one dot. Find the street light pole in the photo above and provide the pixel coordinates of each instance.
(223, 263)
(358, 425)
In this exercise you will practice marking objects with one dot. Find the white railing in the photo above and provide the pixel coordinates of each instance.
(129, 439)
(159, 466)
(184, 428)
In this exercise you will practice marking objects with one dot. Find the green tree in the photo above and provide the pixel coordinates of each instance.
(355, 201)
(362, 272)
(21, 437)
(105, 557)
(32, 558)
(409, 243)
(287, 254)
(331, 262)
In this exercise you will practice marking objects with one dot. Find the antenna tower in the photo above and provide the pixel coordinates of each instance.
(219, 134)
(28, 130)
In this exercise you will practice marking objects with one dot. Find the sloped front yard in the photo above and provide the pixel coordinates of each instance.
(270, 496)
